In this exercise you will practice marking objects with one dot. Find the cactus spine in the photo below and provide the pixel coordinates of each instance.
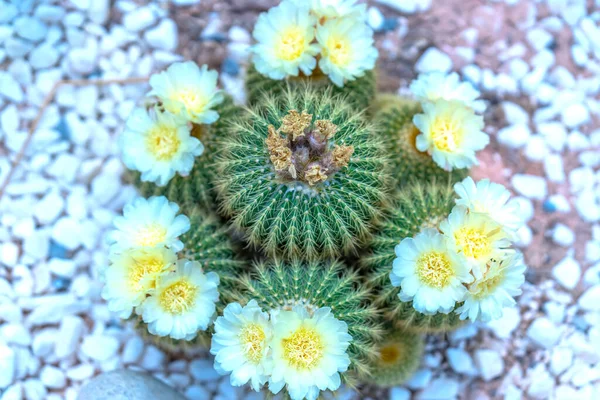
(419, 206)
(394, 115)
(313, 193)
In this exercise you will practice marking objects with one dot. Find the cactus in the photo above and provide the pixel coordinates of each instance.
(277, 285)
(419, 206)
(359, 92)
(394, 115)
(196, 189)
(313, 193)
(399, 356)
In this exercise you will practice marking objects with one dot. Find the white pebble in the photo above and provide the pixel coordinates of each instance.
(163, 36)
(530, 186)
(590, 300)
(553, 166)
(66, 232)
(99, 347)
(575, 115)
(560, 360)
(139, 19)
(514, 136)
(434, 60)
(567, 272)
(7, 365)
(543, 332)
(133, 350)
(52, 377)
(489, 363)
(70, 332)
(461, 361)
(80, 372)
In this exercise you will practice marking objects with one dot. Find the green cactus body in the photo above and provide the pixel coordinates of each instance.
(399, 356)
(359, 92)
(394, 116)
(280, 286)
(313, 193)
(419, 206)
(208, 243)
(196, 189)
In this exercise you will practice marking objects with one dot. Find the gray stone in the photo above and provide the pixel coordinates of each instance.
(127, 385)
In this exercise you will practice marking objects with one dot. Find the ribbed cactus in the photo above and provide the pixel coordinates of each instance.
(197, 188)
(359, 92)
(394, 116)
(419, 206)
(399, 355)
(304, 176)
(280, 286)
(208, 243)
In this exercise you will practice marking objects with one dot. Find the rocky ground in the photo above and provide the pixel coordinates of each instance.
(536, 62)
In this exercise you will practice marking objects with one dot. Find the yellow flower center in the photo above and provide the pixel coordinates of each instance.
(142, 271)
(163, 142)
(304, 348)
(193, 101)
(446, 134)
(291, 44)
(434, 269)
(389, 354)
(151, 235)
(475, 243)
(338, 49)
(252, 337)
(178, 297)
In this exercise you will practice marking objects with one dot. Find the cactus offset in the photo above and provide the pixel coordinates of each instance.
(359, 92)
(399, 356)
(419, 206)
(304, 176)
(277, 285)
(394, 116)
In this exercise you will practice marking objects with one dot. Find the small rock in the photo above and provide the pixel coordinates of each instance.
(100, 348)
(553, 165)
(30, 28)
(563, 235)
(49, 208)
(399, 393)
(420, 379)
(504, 326)
(80, 372)
(71, 330)
(9, 254)
(7, 366)
(575, 115)
(52, 377)
(139, 19)
(434, 60)
(514, 113)
(66, 233)
(203, 371)
(514, 136)
(134, 347)
(543, 332)
(541, 383)
(461, 361)
(489, 363)
(9, 88)
(530, 186)
(129, 385)
(163, 36)
(561, 359)
(590, 300)
(43, 56)
(441, 388)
